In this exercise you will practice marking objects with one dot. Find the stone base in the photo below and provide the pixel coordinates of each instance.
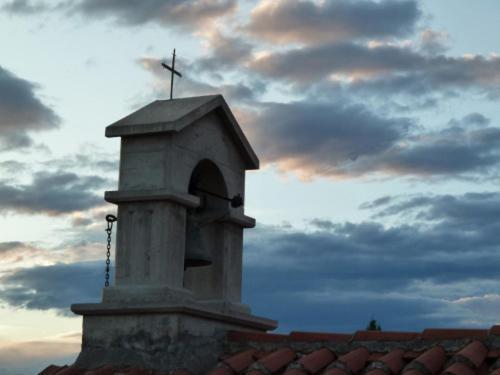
(160, 337)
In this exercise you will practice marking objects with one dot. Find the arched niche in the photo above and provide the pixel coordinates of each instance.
(205, 232)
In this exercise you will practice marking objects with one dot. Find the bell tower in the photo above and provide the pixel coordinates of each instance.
(179, 239)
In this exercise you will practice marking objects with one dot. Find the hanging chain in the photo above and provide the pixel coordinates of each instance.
(110, 220)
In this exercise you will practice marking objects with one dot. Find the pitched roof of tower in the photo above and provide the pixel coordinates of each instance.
(431, 352)
(171, 116)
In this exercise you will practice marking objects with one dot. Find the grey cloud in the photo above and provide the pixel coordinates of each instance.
(168, 13)
(383, 69)
(476, 211)
(333, 276)
(12, 166)
(24, 7)
(315, 138)
(9, 246)
(320, 138)
(53, 287)
(335, 20)
(52, 194)
(226, 52)
(451, 152)
(21, 112)
(472, 119)
(317, 62)
(191, 86)
(433, 42)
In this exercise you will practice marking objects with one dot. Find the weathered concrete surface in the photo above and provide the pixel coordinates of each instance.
(158, 337)
(177, 159)
(172, 116)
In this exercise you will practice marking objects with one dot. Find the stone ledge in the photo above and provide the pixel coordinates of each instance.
(119, 196)
(238, 219)
(243, 320)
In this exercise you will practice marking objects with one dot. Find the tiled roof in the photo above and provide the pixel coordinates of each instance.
(431, 352)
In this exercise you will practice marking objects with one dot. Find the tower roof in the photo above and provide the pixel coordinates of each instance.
(171, 116)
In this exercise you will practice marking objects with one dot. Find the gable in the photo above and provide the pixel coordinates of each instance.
(172, 116)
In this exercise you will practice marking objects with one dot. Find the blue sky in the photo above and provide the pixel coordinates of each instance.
(377, 126)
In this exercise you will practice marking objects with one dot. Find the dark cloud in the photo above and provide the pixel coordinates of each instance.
(451, 152)
(472, 119)
(336, 276)
(24, 7)
(474, 211)
(225, 52)
(382, 69)
(177, 13)
(5, 247)
(53, 287)
(319, 138)
(52, 193)
(334, 20)
(316, 138)
(21, 112)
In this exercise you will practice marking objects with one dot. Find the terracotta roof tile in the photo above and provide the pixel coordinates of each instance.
(384, 336)
(428, 363)
(311, 363)
(71, 371)
(391, 363)
(459, 368)
(318, 336)
(180, 371)
(52, 370)
(349, 363)
(376, 371)
(107, 370)
(450, 334)
(335, 371)
(235, 363)
(433, 352)
(495, 330)
(273, 362)
(473, 354)
(255, 336)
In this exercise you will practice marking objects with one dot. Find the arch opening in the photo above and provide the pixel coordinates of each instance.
(204, 231)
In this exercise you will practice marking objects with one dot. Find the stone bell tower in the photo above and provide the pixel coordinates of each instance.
(179, 240)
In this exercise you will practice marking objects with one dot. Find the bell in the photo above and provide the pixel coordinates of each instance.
(196, 253)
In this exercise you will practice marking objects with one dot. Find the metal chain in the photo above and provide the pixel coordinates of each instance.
(110, 220)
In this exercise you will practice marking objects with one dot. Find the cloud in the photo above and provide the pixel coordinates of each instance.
(331, 21)
(224, 52)
(170, 13)
(191, 86)
(24, 7)
(29, 357)
(336, 276)
(21, 112)
(474, 211)
(319, 138)
(433, 42)
(53, 287)
(452, 152)
(472, 119)
(340, 139)
(52, 193)
(381, 68)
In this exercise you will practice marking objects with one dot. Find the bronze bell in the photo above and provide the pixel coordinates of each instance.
(197, 254)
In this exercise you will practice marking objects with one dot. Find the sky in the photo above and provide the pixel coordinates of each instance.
(376, 124)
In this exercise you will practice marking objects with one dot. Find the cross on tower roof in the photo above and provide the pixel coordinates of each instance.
(172, 71)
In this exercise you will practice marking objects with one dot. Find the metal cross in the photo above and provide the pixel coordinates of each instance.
(173, 71)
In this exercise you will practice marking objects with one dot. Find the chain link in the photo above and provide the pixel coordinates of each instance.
(110, 220)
